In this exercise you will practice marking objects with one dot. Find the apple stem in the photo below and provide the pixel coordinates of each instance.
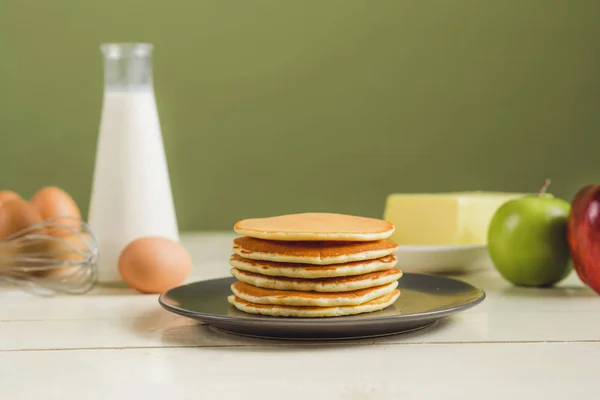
(545, 187)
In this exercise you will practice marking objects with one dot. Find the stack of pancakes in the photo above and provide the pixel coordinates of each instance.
(314, 265)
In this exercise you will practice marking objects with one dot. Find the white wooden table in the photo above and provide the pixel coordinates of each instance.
(118, 344)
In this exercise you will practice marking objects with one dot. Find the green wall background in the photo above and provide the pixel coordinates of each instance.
(271, 107)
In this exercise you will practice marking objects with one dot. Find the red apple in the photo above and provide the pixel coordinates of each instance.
(583, 234)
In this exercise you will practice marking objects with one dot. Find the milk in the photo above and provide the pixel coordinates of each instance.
(131, 193)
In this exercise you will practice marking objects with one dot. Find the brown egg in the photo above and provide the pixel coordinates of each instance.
(154, 264)
(70, 248)
(6, 195)
(15, 215)
(52, 202)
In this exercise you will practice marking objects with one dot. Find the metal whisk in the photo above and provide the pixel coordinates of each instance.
(58, 255)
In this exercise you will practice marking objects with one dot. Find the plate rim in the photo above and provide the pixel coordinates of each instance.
(332, 320)
(428, 325)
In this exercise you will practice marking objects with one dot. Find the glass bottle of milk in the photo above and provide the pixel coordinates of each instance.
(131, 191)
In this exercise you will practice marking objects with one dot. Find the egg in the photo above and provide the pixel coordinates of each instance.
(52, 202)
(71, 248)
(15, 215)
(154, 264)
(7, 195)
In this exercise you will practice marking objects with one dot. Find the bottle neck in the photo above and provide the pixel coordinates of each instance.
(127, 67)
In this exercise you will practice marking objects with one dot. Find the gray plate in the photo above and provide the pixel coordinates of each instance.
(424, 299)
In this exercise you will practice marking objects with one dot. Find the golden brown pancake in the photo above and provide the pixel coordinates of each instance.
(258, 295)
(377, 304)
(315, 226)
(317, 253)
(307, 271)
(327, 285)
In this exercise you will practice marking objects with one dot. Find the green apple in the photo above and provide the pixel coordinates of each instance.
(527, 240)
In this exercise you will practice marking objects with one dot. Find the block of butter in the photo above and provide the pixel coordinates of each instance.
(438, 219)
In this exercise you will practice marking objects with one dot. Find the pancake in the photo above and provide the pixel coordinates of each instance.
(377, 304)
(258, 295)
(315, 226)
(327, 285)
(316, 253)
(305, 271)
